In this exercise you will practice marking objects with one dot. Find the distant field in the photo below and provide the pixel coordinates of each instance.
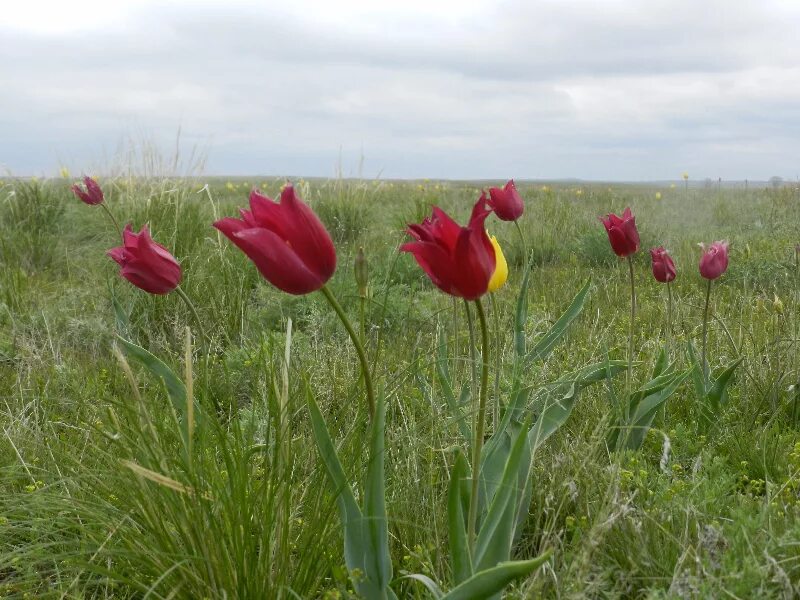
(704, 510)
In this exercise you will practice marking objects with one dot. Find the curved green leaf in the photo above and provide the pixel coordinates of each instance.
(548, 341)
(456, 520)
(489, 582)
(175, 387)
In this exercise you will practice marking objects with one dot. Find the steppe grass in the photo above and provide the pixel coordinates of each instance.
(101, 498)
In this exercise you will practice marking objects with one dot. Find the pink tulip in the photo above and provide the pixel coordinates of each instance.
(714, 261)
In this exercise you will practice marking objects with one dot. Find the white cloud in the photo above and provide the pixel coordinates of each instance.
(611, 90)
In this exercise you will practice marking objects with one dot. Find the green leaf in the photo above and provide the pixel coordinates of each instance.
(363, 535)
(521, 314)
(547, 342)
(456, 519)
(645, 411)
(718, 393)
(662, 363)
(355, 550)
(698, 380)
(121, 317)
(429, 583)
(380, 566)
(493, 544)
(175, 387)
(553, 414)
(489, 582)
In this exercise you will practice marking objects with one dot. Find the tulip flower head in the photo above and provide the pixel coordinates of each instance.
(285, 240)
(714, 261)
(622, 233)
(145, 263)
(663, 265)
(460, 261)
(506, 202)
(93, 194)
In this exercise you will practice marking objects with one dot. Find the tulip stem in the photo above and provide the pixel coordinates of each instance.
(473, 361)
(669, 316)
(497, 357)
(111, 216)
(522, 240)
(362, 357)
(193, 310)
(705, 335)
(631, 327)
(477, 445)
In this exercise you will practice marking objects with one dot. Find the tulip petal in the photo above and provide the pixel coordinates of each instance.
(118, 254)
(474, 264)
(277, 261)
(306, 235)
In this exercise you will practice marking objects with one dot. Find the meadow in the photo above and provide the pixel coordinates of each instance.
(100, 497)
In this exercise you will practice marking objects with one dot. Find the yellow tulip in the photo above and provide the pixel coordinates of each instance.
(500, 274)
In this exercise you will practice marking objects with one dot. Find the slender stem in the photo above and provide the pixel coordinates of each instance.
(705, 334)
(111, 216)
(669, 316)
(631, 327)
(497, 356)
(473, 360)
(362, 357)
(362, 319)
(193, 310)
(477, 445)
(457, 365)
(522, 240)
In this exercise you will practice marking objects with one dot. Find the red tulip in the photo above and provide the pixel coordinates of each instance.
(459, 260)
(622, 233)
(663, 266)
(146, 264)
(506, 202)
(714, 261)
(287, 242)
(92, 195)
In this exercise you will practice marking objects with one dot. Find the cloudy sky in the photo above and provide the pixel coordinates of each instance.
(612, 89)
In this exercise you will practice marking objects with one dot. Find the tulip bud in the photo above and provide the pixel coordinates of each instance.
(285, 240)
(663, 265)
(145, 263)
(361, 272)
(93, 194)
(506, 202)
(622, 233)
(714, 261)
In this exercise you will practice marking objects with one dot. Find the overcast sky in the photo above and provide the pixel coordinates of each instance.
(611, 89)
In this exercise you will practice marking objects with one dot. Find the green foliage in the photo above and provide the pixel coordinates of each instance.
(696, 511)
